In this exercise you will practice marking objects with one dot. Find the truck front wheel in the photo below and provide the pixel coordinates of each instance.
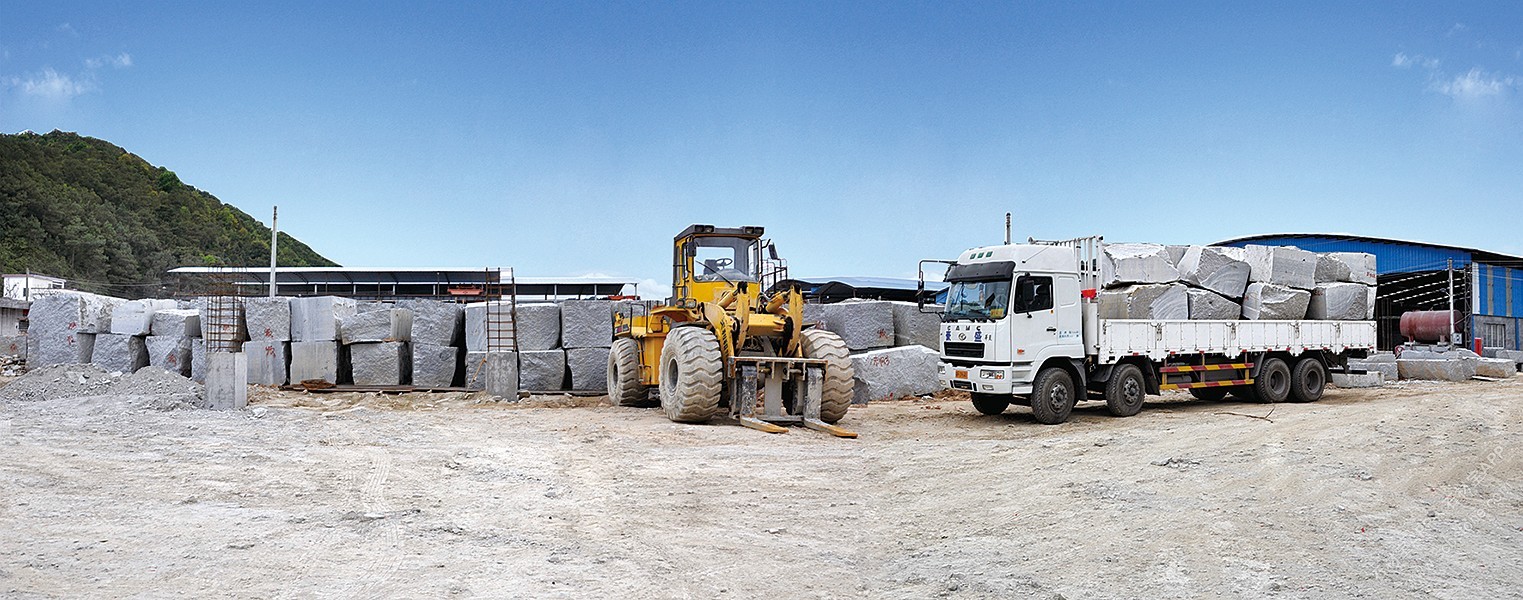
(1307, 380)
(990, 404)
(1125, 391)
(1052, 396)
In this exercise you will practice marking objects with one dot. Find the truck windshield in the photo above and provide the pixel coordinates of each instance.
(978, 299)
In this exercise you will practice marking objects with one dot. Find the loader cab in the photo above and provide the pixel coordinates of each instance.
(708, 261)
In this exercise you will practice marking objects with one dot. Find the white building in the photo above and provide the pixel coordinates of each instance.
(22, 287)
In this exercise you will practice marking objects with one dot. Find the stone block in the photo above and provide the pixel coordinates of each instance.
(176, 322)
(269, 361)
(911, 326)
(1357, 380)
(120, 352)
(314, 361)
(227, 380)
(388, 325)
(1176, 253)
(542, 370)
(1214, 269)
(1515, 356)
(1206, 305)
(1122, 264)
(135, 317)
(1155, 301)
(237, 331)
(62, 327)
(586, 323)
(895, 372)
(1331, 270)
(316, 319)
(380, 363)
(538, 325)
(1340, 302)
(1286, 266)
(589, 369)
(169, 352)
(268, 319)
(500, 372)
(365, 306)
(198, 360)
(862, 324)
(1496, 367)
(1388, 370)
(434, 365)
(1361, 266)
(1456, 369)
(13, 345)
(1270, 302)
(434, 322)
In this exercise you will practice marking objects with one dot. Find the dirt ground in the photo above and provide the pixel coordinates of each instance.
(1409, 491)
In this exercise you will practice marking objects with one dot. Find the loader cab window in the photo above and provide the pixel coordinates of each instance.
(978, 300)
(724, 259)
(1032, 293)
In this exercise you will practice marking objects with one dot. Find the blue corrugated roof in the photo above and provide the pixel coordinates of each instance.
(1391, 256)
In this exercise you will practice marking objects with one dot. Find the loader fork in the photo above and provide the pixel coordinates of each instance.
(761, 379)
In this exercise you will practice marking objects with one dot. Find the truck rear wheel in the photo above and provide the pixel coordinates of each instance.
(836, 389)
(1307, 380)
(1273, 383)
(1211, 394)
(690, 375)
(1052, 396)
(990, 404)
(624, 387)
(1125, 391)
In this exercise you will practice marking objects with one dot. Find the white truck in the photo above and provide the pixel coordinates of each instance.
(1021, 325)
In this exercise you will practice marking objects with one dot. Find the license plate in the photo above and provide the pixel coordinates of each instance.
(960, 373)
(962, 385)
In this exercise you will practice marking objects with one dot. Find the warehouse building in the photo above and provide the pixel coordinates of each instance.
(391, 283)
(1488, 286)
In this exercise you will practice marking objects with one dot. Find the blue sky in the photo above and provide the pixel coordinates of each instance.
(572, 138)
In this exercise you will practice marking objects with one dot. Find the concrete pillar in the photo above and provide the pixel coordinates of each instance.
(227, 377)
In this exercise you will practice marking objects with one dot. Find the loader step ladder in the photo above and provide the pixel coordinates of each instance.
(759, 381)
(1184, 377)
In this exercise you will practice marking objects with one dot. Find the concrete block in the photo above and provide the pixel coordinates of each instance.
(434, 365)
(1122, 264)
(135, 317)
(1388, 370)
(434, 322)
(227, 380)
(176, 322)
(1154, 301)
(1331, 270)
(198, 360)
(268, 319)
(1282, 265)
(169, 352)
(381, 363)
(1495, 367)
(314, 361)
(1458, 369)
(316, 319)
(1206, 305)
(895, 372)
(586, 324)
(237, 330)
(389, 325)
(500, 373)
(1361, 266)
(914, 327)
(1214, 269)
(119, 352)
(1270, 302)
(862, 324)
(1357, 380)
(1340, 302)
(542, 370)
(269, 361)
(589, 369)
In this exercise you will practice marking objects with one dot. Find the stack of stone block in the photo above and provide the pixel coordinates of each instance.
(539, 359)
(438, 329)
(315, 352)
(587, 334)
(64, 325)
(378, 345)
(125, 348)
(268, 350)
(172, 334)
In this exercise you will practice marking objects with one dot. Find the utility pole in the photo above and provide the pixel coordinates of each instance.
(274, 242)
(1451, 302)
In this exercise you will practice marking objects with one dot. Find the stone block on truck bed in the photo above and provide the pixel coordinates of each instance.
(119, 352)
(1154, 301)
(542, 370)
(314, 361)
(911, 326)
(1121, 264)
(434, 365)
(380, 363)
(1341, 302)
(1361, 266)
(177, 322)
(589, 369)
(169, 352)
(861, 324)
(268, 361)
(1215, 269)
(435, 322)
(1282, 265)
(268, 319)
(1270, 302)
(1206, 305)
(586, 324)
(316, 319)
(894, 373)
(385, 325)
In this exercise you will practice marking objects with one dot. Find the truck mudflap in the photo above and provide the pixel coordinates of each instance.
(1186, 377)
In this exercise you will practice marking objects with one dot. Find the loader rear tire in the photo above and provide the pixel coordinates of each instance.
(836, 390)
(624, 387)
(691, 375)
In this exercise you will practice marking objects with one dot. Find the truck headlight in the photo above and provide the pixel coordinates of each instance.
(991, 374)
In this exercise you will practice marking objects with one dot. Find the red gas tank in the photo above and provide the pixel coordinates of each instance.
(1428, 326)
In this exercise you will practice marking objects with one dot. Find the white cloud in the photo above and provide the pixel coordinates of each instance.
(1402, 61)
(1476, 84)
(52, 85)
(120, 61)
(1457, 28)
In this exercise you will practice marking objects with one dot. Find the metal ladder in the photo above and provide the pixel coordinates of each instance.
(501, 311)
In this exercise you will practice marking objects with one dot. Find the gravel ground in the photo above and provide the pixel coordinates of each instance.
(1407, 491)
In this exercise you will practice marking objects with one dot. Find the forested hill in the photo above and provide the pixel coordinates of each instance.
(86, 210)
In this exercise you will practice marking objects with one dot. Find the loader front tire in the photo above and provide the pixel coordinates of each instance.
(691, 375)
(836, 389)
(624, 387)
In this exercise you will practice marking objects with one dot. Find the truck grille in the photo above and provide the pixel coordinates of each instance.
(964, 349)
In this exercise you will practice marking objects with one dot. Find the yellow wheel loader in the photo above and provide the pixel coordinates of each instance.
(722, 342)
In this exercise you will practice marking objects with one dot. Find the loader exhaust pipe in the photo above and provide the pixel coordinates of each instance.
(1007, 229)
